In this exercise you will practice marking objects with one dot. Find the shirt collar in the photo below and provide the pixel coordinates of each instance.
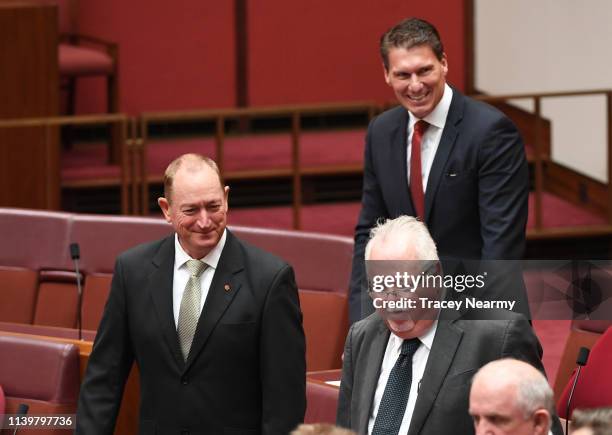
(438, 115)
(426, 338)
(211, 259)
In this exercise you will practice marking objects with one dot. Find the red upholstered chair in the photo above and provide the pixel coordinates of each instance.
(594, 387)
(583, 333)
(57, 299)
(322, 402)
(82, 55)
(322, 265)
(98, 259)
(17, 294)
(42, 374)
(95, 293)
(2, 404)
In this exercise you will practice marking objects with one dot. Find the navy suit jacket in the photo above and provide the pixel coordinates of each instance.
(476, 195)
(246, 369)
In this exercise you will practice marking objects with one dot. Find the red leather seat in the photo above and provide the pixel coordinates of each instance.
(594, 387)
(81, 55)
(42, 374)
(583, 333)
(322, 402)
(83, 61)
(2, 404)
(95, 293)
(322, 265)
(17, 294)
(57, 299)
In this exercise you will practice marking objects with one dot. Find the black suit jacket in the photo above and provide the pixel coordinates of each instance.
(246, 370)
(460, 347)
(477, 191)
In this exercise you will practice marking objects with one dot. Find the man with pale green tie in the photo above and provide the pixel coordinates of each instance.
(213, 323)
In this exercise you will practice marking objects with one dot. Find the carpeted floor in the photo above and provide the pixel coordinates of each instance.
(553, 335)
(340, 218)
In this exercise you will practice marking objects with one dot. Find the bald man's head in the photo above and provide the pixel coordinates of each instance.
(510, 397)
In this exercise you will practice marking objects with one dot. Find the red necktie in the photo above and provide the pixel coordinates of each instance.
(416, 175)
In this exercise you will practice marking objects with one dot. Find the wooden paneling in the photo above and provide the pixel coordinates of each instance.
(29, 156)
(576, 188)
(28, 55)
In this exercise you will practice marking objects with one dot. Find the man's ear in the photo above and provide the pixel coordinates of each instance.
(165, 208)
(444, 63)
(541, 421)
(226, 190)
(387, 78)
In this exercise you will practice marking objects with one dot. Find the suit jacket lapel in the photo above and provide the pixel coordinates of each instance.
(160, 288)
(370, 373)
(398, 166)
(224, 287)
(447, 141)
(443, 350)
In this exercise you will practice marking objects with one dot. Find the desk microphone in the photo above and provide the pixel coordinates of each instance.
(22, 409)
(581, 360)
(75, 254)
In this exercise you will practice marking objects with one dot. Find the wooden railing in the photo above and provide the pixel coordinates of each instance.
(118, 123)
(537, 98)
(135, 133)
(219, 117)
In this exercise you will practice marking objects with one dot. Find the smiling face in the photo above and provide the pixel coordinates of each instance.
(399, 254)
(197, 208)
(417, 78)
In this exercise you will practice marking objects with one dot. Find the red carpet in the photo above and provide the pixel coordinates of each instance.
(262, 151)
(553, 335)
(340, 218)
(266, 151)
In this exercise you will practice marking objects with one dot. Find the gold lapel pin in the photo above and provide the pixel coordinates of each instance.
(227, 287)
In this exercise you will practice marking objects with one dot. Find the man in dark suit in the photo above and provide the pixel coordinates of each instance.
(510, 397)
(213, 323)
(408, 370)
(457, 164)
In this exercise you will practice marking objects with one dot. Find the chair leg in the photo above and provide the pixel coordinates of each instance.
(71, 104)
(112, 98)
(68, 131)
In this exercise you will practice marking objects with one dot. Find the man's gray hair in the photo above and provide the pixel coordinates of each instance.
(532, 389)
(533, 394)
(408, 230)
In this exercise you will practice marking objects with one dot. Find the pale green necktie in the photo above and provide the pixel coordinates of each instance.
(189, 312)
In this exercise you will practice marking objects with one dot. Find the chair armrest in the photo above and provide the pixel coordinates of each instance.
(78, 38)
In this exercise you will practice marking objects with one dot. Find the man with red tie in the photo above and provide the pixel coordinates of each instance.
(457, 164)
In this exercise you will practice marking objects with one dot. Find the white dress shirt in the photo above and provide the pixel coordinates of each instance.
(181, 275)
(431, 139)
(419, 361)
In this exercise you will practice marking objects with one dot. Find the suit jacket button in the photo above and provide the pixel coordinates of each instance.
(184, 381)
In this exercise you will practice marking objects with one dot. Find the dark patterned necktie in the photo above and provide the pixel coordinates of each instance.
(395, 398)
(416, 169)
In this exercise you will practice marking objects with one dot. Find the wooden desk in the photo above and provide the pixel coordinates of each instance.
(324, 376)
